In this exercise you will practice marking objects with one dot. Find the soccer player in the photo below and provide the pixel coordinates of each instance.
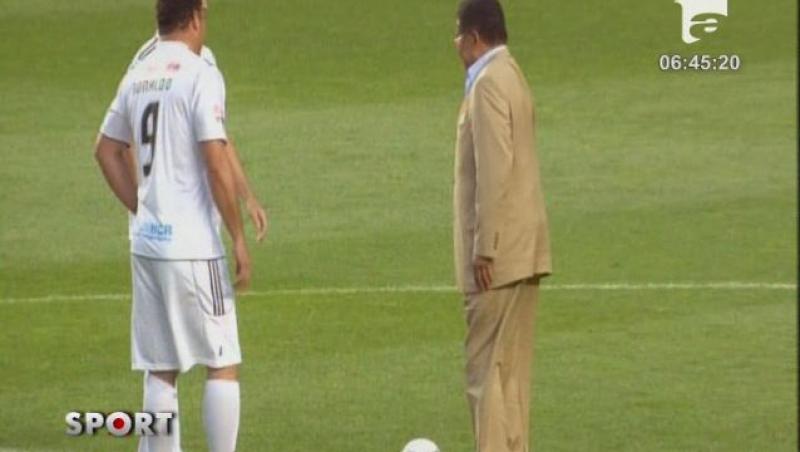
(254, 208)
(170, 107)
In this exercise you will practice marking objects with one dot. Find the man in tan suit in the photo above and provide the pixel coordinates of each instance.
(501, 239)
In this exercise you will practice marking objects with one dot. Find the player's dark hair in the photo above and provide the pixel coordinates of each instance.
(484, 16)
(175, 14)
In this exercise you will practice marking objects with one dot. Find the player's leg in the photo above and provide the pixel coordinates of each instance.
(221, 406)
(221, 403)
(161, 396)
(152, 350)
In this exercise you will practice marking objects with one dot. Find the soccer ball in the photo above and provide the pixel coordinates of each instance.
(421, 445)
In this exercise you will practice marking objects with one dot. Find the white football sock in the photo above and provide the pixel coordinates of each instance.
(221, 414)
(161, 397)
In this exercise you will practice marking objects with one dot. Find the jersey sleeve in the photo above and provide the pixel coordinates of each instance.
(116, 124)
(208, 55)
(208, 106)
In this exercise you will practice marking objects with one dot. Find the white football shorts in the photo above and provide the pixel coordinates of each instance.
(183, 314)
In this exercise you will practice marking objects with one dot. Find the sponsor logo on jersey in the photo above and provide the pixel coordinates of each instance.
(155, 231)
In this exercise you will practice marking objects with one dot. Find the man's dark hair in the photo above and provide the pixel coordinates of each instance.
(175, 14)
(484, 16)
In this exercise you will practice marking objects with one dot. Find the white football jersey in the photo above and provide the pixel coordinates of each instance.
(149, 46)
(170, 101)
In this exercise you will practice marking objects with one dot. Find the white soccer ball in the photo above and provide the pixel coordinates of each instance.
(421, 445)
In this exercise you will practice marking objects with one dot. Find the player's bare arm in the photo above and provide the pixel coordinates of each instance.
(110, 155)
(254, 208)
(130, 160)
(223, 189)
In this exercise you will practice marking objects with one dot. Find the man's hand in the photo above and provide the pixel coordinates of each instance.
(259, 217)
(243, 269)
(483, 273)
(243, 192)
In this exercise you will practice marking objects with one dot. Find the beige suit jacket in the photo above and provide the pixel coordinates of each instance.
(498, 200)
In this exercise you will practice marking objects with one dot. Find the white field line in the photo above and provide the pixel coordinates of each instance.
(6, 449)
(631, 287)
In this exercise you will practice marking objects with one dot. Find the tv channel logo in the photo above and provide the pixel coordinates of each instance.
(701, 18)
(119, 423)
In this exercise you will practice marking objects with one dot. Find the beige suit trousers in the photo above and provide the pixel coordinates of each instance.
(499, 353)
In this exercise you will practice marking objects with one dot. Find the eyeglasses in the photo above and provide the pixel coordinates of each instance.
(461, 34)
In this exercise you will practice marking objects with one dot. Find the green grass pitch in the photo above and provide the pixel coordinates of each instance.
(345, 113)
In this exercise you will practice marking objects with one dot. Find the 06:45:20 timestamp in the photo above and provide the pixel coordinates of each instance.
(699, 63)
